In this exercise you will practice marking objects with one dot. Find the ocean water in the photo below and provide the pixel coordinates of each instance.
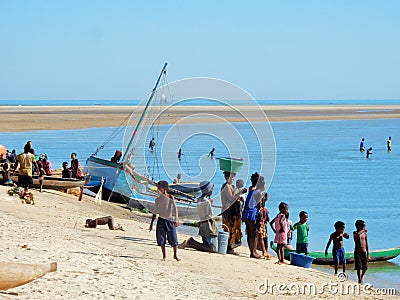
(200, 102)
(319, 169)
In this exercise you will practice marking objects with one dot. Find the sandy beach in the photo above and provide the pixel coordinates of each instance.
(104, 264)
(25, 118)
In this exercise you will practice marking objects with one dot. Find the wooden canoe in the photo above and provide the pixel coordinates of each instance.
(321, 259)
(16, 274)
(54, 182)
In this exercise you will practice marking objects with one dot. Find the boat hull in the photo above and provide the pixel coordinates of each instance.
(116, 188)
(321, 259)
(54, 183)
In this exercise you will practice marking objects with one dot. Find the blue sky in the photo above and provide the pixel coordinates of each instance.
(273, 49)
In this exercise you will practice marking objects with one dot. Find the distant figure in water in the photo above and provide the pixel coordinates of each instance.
(152, 144)
(178, 178)
(211, 154)
(179, 153)
(369, 152)
(362, 146)
(389, 144)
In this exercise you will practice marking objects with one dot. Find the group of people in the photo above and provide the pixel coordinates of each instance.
(29, 163)
(369, 150)
(238, 208)
(361, 251)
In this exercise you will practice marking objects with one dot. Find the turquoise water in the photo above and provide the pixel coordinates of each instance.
(318, 169)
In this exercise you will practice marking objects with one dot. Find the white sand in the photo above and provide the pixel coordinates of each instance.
(104, 264)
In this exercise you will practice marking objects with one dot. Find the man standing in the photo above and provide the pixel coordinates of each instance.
(26, 160)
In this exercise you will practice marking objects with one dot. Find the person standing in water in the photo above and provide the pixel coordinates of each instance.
(211, 154)
(152, 144)
(179, 153)
(369, 152)
(389, 144)
(362, 146)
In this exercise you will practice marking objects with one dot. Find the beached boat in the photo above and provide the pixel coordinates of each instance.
(321, 259)
(16, 274)
(133, 180)
(54, 182)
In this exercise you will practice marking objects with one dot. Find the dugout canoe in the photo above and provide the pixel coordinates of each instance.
(321, 259)
(54, 182)
(16, 274)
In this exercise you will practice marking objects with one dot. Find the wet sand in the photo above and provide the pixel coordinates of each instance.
(25, 118)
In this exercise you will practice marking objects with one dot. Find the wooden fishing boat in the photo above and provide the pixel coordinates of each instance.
(16, 274)
(54, 182)
(321, 259)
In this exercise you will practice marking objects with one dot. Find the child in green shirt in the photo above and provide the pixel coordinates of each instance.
(302, 229)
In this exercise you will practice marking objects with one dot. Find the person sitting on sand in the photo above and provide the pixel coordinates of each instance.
(66, 172)
(109, 220)
(165, 208)
(338, 252)
(75, 167)
(12, 157)
(207, 227)
(279, 226)
(26, 160)
(46, 164)
(5, 172)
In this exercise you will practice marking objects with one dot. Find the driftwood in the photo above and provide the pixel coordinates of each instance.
(16, 274)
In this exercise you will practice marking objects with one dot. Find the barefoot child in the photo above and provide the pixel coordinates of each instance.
(165, 207)
(302, 229)
(281, 231)
(361, 252)
(338, 253)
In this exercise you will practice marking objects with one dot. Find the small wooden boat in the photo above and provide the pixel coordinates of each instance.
(321, 259)
(54, 182)
(16, 274)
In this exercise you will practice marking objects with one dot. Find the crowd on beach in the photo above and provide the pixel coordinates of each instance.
(28, 163)
(237, 207)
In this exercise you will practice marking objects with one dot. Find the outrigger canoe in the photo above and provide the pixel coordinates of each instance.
(321, 259)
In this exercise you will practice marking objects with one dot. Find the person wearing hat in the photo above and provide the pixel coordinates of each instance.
(207, 227)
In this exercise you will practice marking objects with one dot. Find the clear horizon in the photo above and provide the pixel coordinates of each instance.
(100, 50)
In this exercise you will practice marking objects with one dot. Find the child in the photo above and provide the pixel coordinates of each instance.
(165, 206)
(302, 233)
(290, 230)
(338, 253)
(281, 231)
(261, 225)
(361, 252)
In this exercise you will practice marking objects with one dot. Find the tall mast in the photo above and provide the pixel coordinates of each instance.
(144, 111)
